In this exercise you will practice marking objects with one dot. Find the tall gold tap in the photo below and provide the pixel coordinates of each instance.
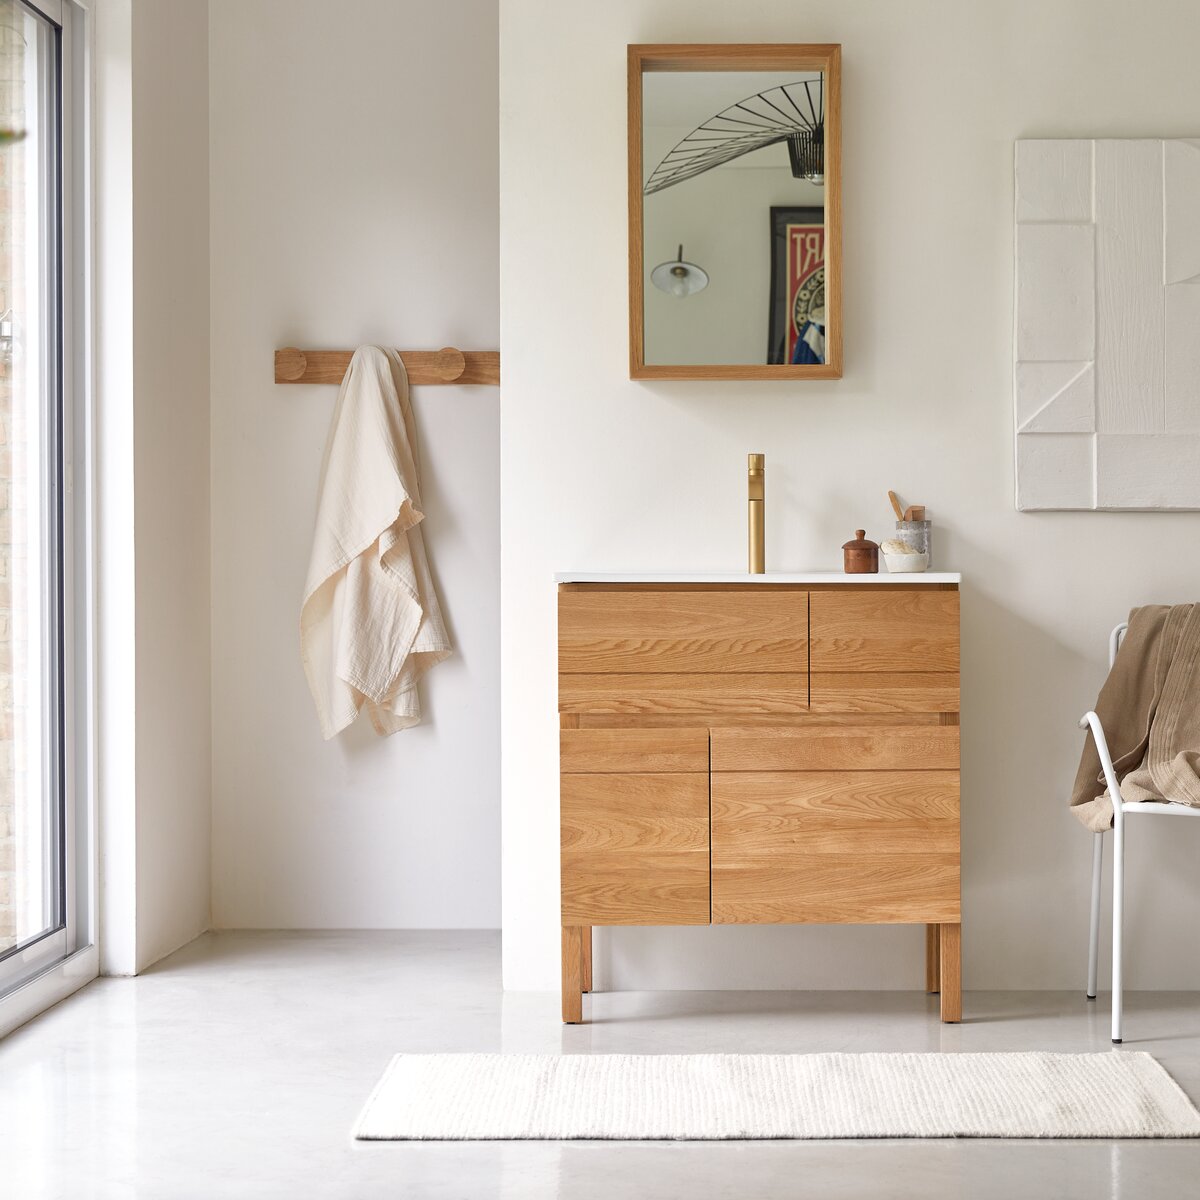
(756, 483)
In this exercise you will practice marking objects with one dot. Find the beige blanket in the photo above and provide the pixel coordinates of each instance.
(1150, 709)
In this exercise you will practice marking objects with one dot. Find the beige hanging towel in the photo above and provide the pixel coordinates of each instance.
(370, 625)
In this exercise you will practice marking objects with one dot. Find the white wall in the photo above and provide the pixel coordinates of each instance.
(153, 500)
(171, 482)
(354, 199)
(604, 473)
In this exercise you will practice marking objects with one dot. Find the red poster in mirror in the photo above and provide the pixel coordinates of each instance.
(806, 280)
(797, 333)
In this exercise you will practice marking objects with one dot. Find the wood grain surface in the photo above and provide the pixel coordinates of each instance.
(682, 631)
(872, 692)
(634, 812)
(637, 720)
(906, 631)
(848, 748)
(880, 889)
(709, 693)
(572, 974)
(635, 849)
(799, 846)
(950, 971)
(639, 750)
(757, 813)
(635, 887)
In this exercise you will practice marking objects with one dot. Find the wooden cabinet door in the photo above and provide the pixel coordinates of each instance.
(835, 825)
(634, 827)
(870, 847)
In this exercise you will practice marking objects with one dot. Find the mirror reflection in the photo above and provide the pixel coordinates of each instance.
(733, 217)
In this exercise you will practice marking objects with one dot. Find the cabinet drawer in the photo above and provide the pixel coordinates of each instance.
(700, 694)
(840, 846)
(868, 692)
(828, 889)
(634, 812)
(635, 849)
(884, 630)
(765, 814)
(836, 748)
(685, 630)
(642, 889)
(638, 750)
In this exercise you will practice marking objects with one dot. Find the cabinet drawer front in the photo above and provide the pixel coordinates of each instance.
(864, 692)
(650, 888)
(700, 694)
(681, 631)
(635, 849)
(858, 846)
(884, 630)
(758, 815)
(634, 812)
(829, 889)
(640, 750)
(836, 748)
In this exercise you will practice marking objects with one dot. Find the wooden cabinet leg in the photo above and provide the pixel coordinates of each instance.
(950, 953)
(933, 959)
(572, 974)
(586, 936)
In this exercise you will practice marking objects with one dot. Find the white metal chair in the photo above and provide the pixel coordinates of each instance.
(1121, 810)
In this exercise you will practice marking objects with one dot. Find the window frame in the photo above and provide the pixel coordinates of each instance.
(45, 969)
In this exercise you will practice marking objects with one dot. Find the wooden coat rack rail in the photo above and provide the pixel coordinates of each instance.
(447, 365)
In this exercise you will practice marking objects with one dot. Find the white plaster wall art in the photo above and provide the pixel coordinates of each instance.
(1107, 340)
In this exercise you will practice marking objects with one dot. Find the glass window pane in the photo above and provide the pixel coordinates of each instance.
(31, 838)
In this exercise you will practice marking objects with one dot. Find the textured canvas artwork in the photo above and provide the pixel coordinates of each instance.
(1107, 375)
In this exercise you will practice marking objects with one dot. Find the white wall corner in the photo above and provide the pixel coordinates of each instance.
(115, 600)
(152, 371)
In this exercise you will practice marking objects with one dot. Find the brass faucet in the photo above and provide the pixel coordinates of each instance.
(756, 482)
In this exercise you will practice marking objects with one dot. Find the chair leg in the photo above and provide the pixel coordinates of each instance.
(1094, 929)
(1118, 918)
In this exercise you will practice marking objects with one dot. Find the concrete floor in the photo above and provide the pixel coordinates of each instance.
(236, 1067)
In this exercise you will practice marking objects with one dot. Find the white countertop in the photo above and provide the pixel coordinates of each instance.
(905, 577)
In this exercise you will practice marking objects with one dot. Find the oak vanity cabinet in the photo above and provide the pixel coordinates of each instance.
(760, 753)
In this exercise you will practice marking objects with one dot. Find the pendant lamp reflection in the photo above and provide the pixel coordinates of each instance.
(679, 278)
(792, 113)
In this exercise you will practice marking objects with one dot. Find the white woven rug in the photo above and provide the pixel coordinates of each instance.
(446, 1097)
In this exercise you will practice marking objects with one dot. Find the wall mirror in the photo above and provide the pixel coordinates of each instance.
(735, 212)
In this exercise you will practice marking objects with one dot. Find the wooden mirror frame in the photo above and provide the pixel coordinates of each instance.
(719, 57)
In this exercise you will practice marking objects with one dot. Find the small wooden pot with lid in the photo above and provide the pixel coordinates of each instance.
(861, 555)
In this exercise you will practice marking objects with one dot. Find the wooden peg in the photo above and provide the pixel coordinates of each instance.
(445, 365)
(290, 364)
